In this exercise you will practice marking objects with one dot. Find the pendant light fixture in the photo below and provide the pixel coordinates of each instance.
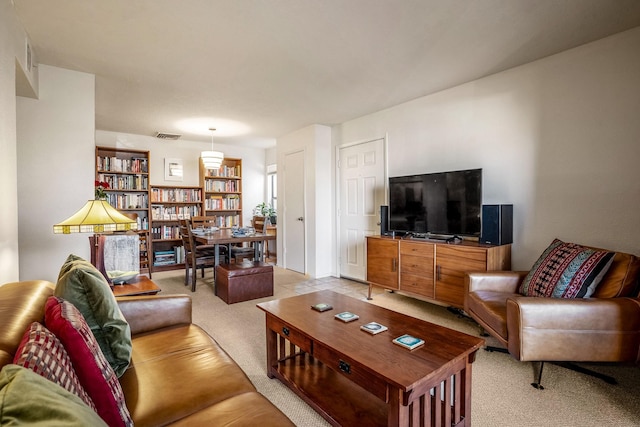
(212, 159)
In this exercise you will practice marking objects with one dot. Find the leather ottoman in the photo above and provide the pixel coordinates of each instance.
(244, 281)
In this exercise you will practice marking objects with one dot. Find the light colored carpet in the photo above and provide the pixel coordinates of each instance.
(501, 395)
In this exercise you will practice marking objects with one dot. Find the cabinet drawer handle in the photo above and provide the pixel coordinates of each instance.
(394, 264)
(285, 331)
(344, 367)
(438, 271)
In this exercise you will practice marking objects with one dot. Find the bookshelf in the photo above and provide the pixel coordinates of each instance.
(223, 192)
(127, 173)
(169, 204)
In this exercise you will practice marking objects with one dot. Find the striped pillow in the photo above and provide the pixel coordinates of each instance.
(43, 353)
(566, 270)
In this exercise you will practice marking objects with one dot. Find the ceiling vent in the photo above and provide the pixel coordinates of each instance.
(166, 135)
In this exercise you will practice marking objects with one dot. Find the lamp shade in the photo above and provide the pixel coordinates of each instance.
(96, 216)
(212, 159)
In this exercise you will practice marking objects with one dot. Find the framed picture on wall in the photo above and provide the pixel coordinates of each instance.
(172, 169)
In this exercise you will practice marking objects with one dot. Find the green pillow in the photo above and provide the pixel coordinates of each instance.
(85, 287)
(68, 263)
(28, 398)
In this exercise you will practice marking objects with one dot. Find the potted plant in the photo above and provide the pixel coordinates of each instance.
(267, 211)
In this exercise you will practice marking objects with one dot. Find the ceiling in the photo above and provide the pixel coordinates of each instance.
(259, 69)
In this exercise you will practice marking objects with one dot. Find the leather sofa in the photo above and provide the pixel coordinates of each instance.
(603, 328)
(178, 374)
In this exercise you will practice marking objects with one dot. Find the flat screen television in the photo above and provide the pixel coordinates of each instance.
(445, 203)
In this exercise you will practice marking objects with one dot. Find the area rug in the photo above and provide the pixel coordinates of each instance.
(501, 395)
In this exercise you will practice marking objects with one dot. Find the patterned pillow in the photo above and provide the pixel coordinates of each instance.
(94, 371)
(85, 287)
(26, 398)
(566, 270)
(43, 353)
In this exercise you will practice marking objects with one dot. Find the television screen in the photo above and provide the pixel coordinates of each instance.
(446, 203)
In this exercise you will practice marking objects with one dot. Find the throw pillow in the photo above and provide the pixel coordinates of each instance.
(566, 270)
(26, 398)
(42, 352)
(94, 371)
(86, 288)
(68, 263)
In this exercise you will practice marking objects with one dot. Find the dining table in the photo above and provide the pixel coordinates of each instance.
(227, 237)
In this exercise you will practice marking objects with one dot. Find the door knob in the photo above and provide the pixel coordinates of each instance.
(300, 218)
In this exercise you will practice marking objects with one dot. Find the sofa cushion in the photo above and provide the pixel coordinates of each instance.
(28, 399)
(246, 409)
(86, 288)
(566, 270)
(195, 373)
(41, 352)
(95, 374)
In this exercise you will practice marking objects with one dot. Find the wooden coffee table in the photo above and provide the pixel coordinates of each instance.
(353, 378)
(141, 285)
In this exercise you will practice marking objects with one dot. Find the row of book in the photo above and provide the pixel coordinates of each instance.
(221, 186)
(125, 182)
(231, 202)
(174, 213)
(114, 164)
(176, 195)
(128, 201)
(166, 232)
(225, 221)
(169, 257)
(224, 171)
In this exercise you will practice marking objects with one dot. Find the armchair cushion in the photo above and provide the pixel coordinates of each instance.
(566, 270)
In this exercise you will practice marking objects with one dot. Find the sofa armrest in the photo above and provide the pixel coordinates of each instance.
(497, 281)
(151, 312)
(579, 330)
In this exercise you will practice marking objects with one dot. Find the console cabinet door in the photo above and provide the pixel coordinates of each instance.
(382, 262)
(452, 264)
(417, 268)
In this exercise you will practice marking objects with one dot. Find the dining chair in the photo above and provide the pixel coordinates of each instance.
(193, 257)
(261, 225)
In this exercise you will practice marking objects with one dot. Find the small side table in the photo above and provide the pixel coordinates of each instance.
(141, 285)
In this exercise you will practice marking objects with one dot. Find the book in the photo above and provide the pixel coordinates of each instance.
(322, 307)
(347, 316)
(373, 328)
(408, 341)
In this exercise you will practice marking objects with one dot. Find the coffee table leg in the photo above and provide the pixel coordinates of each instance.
(398, 414)
(272, 351)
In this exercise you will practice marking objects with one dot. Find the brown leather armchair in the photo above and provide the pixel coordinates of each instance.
(603, 328)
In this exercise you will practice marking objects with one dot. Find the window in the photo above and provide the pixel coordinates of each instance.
(272, 186)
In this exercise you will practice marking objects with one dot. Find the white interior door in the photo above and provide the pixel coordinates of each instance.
(362, 191)
(294, 225)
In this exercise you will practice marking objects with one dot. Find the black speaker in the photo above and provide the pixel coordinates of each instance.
(384, 220)
(497, 224)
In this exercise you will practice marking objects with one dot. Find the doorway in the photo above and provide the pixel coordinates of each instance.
(362, 187)
(294, 204)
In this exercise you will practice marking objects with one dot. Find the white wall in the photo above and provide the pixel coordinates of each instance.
(253, 162)
(315, 140)
(558, 138)
(55, 168)
(13, 41)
